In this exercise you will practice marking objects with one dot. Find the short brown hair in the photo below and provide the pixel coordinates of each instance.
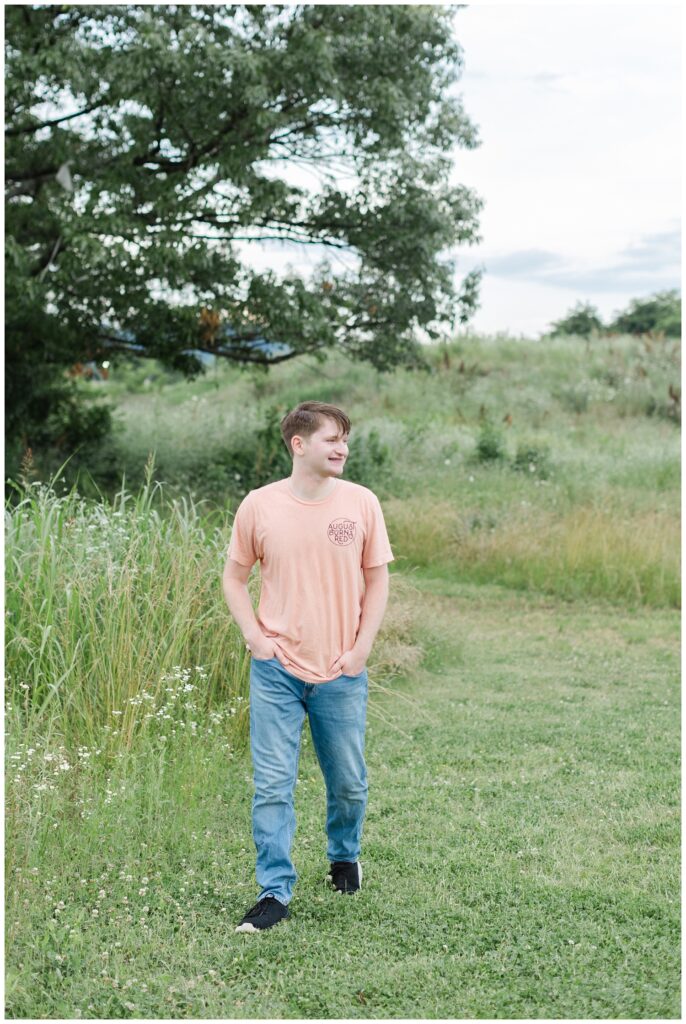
(307, 418)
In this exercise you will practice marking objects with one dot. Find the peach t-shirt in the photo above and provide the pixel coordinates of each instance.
(311, 556)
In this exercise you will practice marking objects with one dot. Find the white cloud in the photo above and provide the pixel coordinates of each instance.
(651, 263)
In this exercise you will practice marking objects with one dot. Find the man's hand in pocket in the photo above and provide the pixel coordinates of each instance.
(350, 663)
(262, 648)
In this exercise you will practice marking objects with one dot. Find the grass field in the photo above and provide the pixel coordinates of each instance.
(521, 845)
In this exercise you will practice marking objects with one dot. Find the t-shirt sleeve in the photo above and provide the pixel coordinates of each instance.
(376, 549)
(242, 545)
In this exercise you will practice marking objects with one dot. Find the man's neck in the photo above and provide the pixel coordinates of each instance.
(312, 490)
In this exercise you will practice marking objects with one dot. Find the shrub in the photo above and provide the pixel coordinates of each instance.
(583, 321)
(660, 312)
(249, 460)
(490, 445)
(368, 460)
(532, 459)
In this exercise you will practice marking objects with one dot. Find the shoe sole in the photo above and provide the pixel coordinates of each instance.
(248, 927)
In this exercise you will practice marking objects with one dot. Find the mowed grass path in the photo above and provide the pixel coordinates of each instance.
(520, 853)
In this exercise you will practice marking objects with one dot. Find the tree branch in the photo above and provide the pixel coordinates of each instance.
(239, 356)
(34, 176)
(30, 128)
(273, 238)
(48, 257)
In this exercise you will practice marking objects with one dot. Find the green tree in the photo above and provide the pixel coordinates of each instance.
(143, 143)
(583, 320)
(659, 312)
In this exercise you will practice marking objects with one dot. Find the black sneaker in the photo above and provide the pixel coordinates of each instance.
(265, 914)
(346, 877)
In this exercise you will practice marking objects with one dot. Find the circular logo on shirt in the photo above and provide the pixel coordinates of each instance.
(341, 531)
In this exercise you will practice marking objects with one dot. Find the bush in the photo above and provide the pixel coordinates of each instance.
(660, 312)
(251, 461)
(583, 321)
(369, 459)
(532, 459)
(490, 445)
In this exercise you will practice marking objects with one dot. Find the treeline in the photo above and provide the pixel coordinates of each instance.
(658, 314)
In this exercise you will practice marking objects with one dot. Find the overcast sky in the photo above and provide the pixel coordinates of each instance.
(578, 109)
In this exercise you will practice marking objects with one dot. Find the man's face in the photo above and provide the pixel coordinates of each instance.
(327, 449)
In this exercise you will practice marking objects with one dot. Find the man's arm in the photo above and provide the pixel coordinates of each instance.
(373, 608)
(234, 585)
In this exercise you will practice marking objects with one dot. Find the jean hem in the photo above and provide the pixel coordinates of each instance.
(284, 903)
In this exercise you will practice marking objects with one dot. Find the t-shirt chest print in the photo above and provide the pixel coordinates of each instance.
(341, 531)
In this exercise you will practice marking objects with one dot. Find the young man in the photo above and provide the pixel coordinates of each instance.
(323, 550)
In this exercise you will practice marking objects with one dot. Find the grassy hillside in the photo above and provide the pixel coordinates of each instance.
(549, 465)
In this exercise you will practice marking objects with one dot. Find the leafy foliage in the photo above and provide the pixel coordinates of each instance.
(659, 313)
(145, 144)
(582, 320)
(490, 445)
(533, 458)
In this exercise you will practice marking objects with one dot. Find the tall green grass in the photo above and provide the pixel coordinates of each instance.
(625, 557)
(106, 601)
(115, 616)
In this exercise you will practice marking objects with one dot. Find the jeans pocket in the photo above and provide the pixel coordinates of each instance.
(358, 676)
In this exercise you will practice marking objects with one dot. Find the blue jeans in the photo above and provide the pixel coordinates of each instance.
(337, 710)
